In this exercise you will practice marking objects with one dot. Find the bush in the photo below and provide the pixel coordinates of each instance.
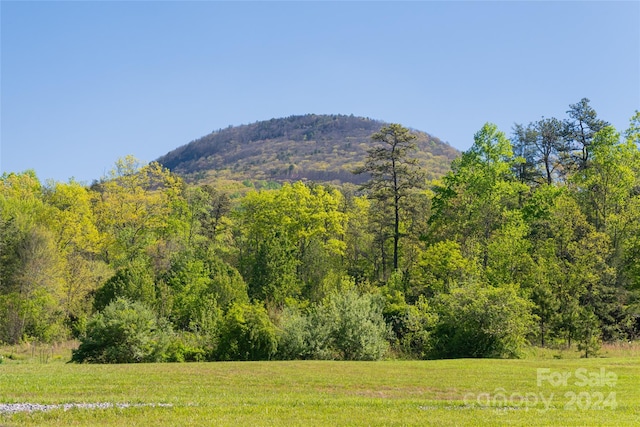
(124, 332)
(293, 335)
(357, 330)
(187, 347)
(345, 326)
(412, 325)
(247, 333)
(478, 321)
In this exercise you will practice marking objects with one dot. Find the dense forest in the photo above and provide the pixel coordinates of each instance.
(318, 148)
(532, 239)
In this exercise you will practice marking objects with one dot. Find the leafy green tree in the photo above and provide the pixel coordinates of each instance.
(609, 183)
(207, 216)
(478, 197)
(21, 200)
(83, 277)
(632, 134)
(200, 285)
(595, 281)
(420, 322)
(270, 268)
(72, 218)
(358, 256)
(134, 283)
(564, 225)
(546, 303)
(414, 227)
(32, 280)
(441, 267)
(217, 207)
(629, 249)
(293, 334)
(9, 260)
(345, 325)
(394, 173)
(570, 270)
(547, 269)
(508, 251)
(33, 296)
(288, 240)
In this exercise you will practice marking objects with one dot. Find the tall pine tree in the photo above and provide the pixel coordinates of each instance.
(394, 173)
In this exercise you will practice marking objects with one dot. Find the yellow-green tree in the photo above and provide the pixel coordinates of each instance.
(134, 209)
(75, 231)
(31, 265)
(288, 239)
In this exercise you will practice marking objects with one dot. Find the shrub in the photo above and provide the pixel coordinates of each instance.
(293, 335)
(247, 333)
(347, 326)
(412, 325)
(481, 321)
(357, 330)
(124, 332)
(187, 347)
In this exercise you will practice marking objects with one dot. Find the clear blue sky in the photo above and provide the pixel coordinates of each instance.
(84, 83)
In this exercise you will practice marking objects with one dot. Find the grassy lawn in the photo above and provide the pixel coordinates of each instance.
(446, 392)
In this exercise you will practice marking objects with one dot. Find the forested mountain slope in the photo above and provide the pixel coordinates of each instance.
(322, 148)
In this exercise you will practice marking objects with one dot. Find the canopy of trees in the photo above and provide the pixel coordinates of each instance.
(528, 240)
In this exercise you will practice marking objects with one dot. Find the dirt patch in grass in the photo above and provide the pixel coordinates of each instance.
(429, 393)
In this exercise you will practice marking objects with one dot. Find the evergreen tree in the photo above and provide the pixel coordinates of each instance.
(394, 173)
(579, 133)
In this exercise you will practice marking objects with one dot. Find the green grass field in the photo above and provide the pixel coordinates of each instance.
(599, 391)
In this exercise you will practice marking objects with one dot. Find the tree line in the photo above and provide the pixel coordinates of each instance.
(528, 240)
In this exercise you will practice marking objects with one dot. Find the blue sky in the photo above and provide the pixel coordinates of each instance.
(84, 83)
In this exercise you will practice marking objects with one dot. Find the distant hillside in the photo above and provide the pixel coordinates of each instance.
(321, 148)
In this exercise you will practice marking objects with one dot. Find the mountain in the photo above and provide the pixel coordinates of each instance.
(321, 148)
